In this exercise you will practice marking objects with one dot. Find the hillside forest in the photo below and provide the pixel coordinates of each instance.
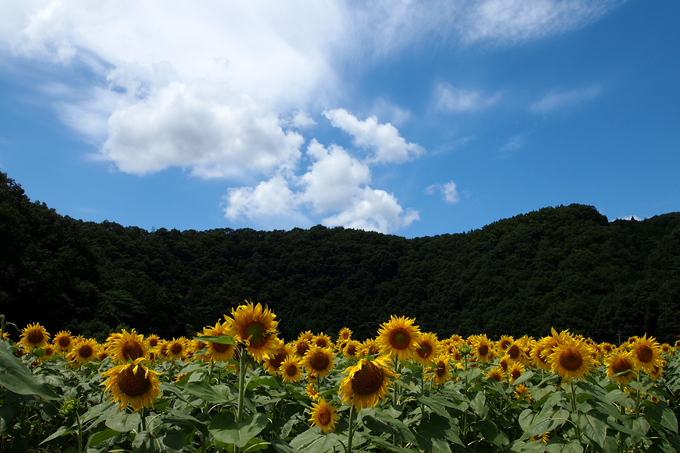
(567, 267)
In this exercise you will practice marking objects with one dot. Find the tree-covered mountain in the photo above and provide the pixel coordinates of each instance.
(567, 267)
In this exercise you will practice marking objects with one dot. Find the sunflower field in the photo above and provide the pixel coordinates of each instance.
(237, 387)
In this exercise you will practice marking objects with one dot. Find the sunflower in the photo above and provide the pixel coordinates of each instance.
(483, 348)
(515, 370)
(318, 361)
(370, 347)
(101, 353)
(300, 347)
(656, 372)
(522, 392)
(133, 384)
(351, 350)
(621, 361)
(62, 341)
(153, 340)
(399, 337)
(49, 352)
(504, 343)
(5, 335)
(366, 382)
(428, 349)
(497, 373)
(126, 346)
(441, 370)
(572, 359)
(253, 326)
(646, 352)
(323, 416)
(34, 336)
(217, 351)
(291, 369)
(273, 364)
(311, 391)
(83, 351)
(322, 340)
(538, 355)
(177, 348)
(345, 334)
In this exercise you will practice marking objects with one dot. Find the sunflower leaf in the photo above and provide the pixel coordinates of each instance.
(17, 378)
(124, 422)
(661, 415)
(226, 430)
(222, 339)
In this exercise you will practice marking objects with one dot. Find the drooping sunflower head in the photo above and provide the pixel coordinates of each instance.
(291, 369)
(324, 416)
(273, 363)
(538, 355)
(311, 391)
(657, 371)
(318, 361)
(83, 351)
(399, 337)
(126, 346)
(523, 392)
(496, 373)
(34, 336)
(572, 359)
(132, 384)
(101, 352)
(427, 350)
(369, 348)
(366, 382)
(255, 327)
(621, 366)
(62, 341)
(647, 352)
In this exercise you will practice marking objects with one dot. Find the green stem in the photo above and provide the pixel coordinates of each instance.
(351, 428)
(573, 409)
(143, 414)
(80, 433)
(241, 389)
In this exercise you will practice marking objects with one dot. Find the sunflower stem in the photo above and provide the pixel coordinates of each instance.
(241, 389)
(80, 432)
(351, 428)
(573, 410)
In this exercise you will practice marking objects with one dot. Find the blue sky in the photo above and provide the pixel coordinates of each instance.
(410, 118)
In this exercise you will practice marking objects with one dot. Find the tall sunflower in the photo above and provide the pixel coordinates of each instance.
(126, 346)
(399, 337)
(62, 341)
(133, 384)
(218, 351)
(366, 382)
(34, 336)
(324, 416)
(621, 361)
(572, 359)
(83, 351)
(254, 326)
(291, 369)
(318, 361)
(427, 350)
(647, 352)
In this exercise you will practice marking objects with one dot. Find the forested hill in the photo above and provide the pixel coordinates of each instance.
(567, 267)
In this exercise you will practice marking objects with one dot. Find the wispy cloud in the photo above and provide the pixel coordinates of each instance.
(514, 143)
(556, 100)
(449, 192)
(457, 100)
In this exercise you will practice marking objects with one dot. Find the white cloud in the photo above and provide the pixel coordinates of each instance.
(449, 98)
(302, 120)
(629, 217)
(556, 100)
(449, 192)
(514, 143)
(395, 114)
(214, 132)
(384, 139)
(269, 198)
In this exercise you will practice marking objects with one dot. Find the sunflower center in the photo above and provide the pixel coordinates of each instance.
(85, 351)
(321, 342)
(513, 351)
(504, 344)
(400, 339)
(153, 342)
(503, 364)
(319, 361)
(368, 380)
(278, 359)
(255, 333)
(35, 336)
(516, 373)
(424, 350)
(301, 348)
(495, 375)
(644, 353)
(133, 384)
(621, 365)
(64, 342)
(441, 369)
(571, 360)
(324, 416)
(351, 350)
(132, 350)
(219, 347)
(291, 370)
(483, 350)
(176, 348)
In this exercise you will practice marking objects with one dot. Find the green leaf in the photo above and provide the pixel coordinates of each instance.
(593, 428)
(437, 404)
(226, 430)
(18, 379)
(478, 404)
(438, 427)
(62, 431)
(492, 434)
(210, 393)
(661, 415)
(222, 339)
(388, 446)
(101, 436)
(524, 377)
(382, 422)
(124, 422)
(313, 441)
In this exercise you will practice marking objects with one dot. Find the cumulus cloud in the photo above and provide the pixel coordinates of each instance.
(556, 100)
(383, 139)
(448, 191)
(268, 198)
(302, 120)
(449, 98)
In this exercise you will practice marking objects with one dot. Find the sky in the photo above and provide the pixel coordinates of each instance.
(404, 117)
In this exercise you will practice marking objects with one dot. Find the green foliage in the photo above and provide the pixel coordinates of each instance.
(567, 267)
